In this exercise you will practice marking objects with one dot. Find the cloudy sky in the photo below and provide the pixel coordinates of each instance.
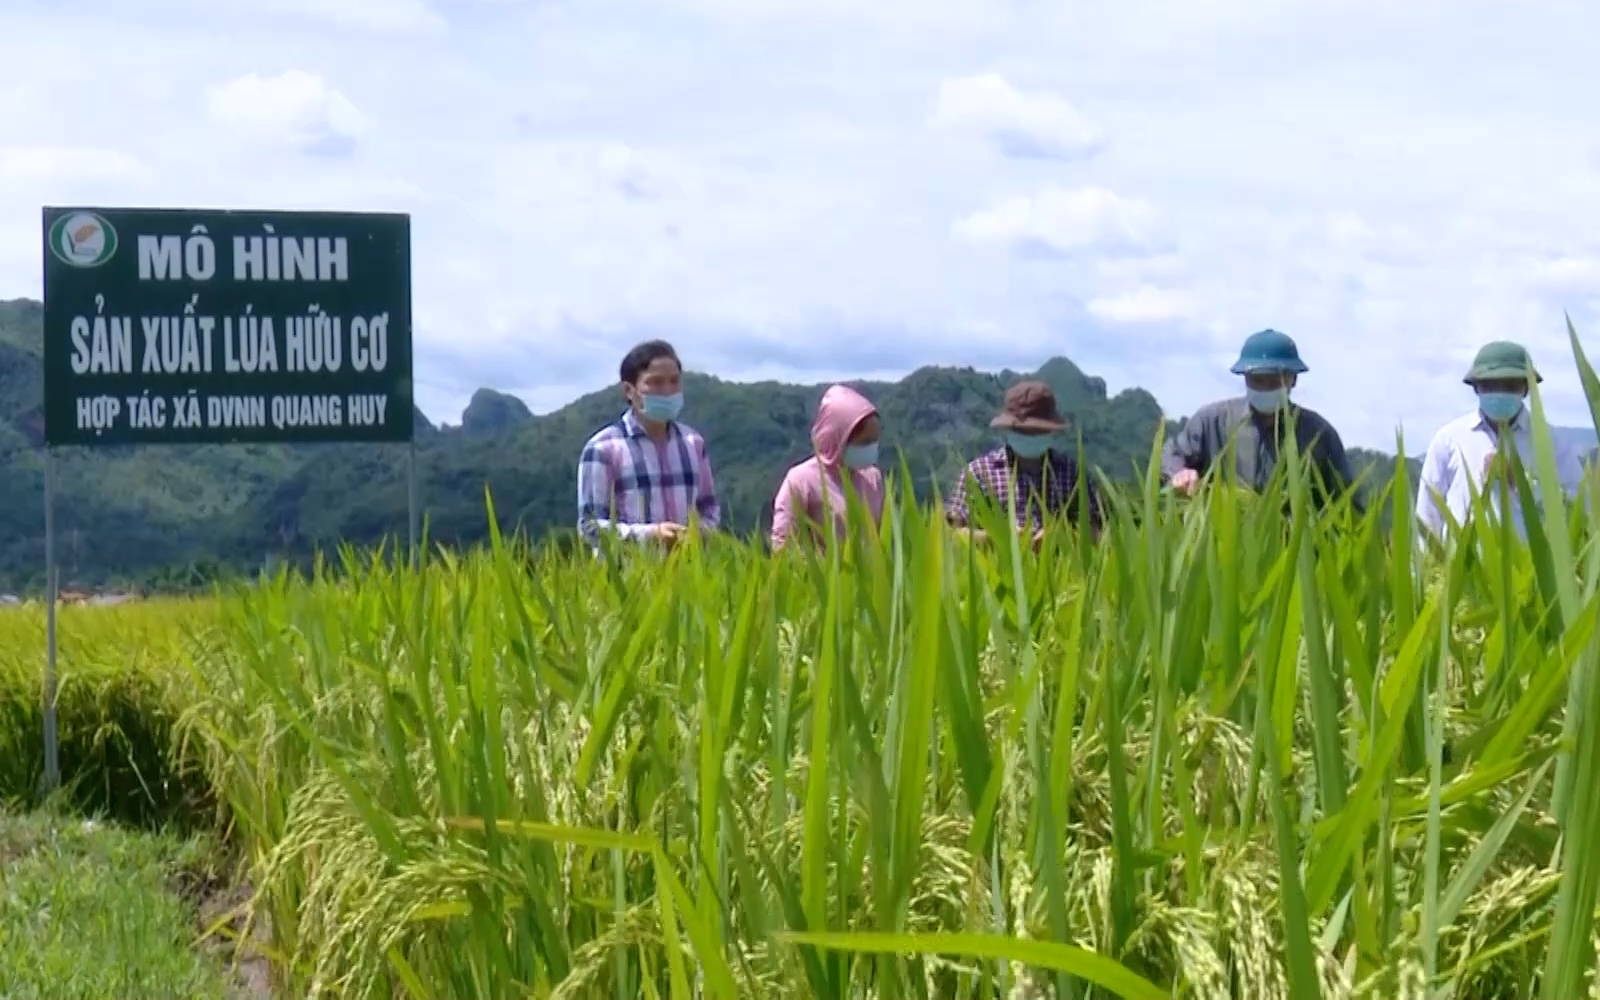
(810, 189)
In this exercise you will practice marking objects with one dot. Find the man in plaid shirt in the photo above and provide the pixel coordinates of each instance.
(1026, 470)
(646, 475)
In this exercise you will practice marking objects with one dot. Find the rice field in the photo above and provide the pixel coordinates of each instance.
(123, 685)
(1215, 752)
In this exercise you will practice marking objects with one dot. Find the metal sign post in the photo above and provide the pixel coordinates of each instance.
(52, 758)
(411, 500)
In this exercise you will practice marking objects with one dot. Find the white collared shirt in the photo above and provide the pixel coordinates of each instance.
(1458, 460)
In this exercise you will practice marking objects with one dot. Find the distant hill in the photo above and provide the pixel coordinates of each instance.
(143, 514)
(490, 413)
(1581, 438)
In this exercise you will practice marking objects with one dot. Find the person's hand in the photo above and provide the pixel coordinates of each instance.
(1492, 467)
(969, 535)
(1185, 481)
(670, 533)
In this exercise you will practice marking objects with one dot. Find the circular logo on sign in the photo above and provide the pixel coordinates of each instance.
(82, 239)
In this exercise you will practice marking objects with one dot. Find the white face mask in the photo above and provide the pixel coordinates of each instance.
(1028, 445)
(1267, 400)
(1500, 406)
(861, 456)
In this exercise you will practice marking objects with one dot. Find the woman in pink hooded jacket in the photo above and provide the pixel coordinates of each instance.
(845, 438)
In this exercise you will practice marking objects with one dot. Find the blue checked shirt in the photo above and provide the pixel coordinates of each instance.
(629, 484)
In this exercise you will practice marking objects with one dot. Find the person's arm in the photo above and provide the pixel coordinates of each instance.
(1582, 461)
(1570, 469)
(957, 512)
(1187, 448)
(595, 489)
(705, 501)
(1434, 485)
(955, 505)
(783, 512)
(1091, 514)
(1336, 472)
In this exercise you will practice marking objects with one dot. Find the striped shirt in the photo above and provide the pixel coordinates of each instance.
(1049, 487)
(629, 484)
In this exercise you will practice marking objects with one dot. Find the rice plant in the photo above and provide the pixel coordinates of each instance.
(124, 681)
(1226, 748)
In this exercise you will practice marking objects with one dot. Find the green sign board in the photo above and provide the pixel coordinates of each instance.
(184, 326)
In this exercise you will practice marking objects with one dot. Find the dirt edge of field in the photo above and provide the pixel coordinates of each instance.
(213, 900)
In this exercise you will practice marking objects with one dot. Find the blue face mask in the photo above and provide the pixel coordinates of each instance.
(1027, 445)
(1500, 406)
(1267, 400)
(661, 407)
(861, 456)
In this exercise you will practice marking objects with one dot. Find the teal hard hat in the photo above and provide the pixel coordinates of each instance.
(1268, 351)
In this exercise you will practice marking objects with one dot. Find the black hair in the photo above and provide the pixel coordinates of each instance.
(641, 357)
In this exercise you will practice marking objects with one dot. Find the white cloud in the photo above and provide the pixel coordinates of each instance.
(1117, 271)
(898, 17)
(1570, 274)
(1144, 304)
(1064, 220)
(374, 15)
(293, 108)
(59, 163)
(1353, 173)
(1019, 123)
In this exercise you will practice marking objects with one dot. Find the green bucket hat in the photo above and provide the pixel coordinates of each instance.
(1268, 351)
(1501, 359)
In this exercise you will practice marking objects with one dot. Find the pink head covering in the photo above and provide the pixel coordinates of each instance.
(842, 409)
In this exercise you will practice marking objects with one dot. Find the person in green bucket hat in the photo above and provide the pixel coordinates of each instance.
(1270, 363)
(1460, 458)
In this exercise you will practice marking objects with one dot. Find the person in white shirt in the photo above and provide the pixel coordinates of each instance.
(1460, 456)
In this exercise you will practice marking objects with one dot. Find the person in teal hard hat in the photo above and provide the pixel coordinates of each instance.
(1270, 363)
(1460, 458)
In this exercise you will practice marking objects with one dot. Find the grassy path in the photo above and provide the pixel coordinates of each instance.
(89, 911)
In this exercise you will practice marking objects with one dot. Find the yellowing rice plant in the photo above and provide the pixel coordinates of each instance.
(1217, 752)
(124, 681)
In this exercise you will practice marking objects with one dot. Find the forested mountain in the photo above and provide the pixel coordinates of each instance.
(138, 514)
